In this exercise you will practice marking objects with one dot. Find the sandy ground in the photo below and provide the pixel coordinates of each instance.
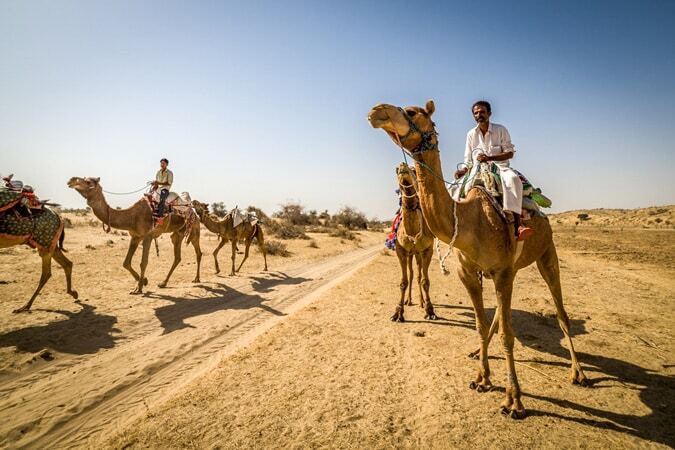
(305, 356)
(70, 372)
(340, 374)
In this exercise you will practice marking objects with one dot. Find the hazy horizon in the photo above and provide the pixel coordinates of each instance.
(263, 103)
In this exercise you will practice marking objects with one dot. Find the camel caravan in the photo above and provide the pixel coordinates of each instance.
(489, 214)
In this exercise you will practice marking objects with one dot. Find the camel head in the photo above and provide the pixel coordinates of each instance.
(411, 126)
(87, 186)
(201, 208)
(406, 175)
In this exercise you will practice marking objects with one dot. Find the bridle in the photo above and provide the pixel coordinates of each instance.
(425, 144)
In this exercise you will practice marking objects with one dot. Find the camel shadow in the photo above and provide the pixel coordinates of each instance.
(81, 333)
(272, 279)
(172, 316)
(656, 391)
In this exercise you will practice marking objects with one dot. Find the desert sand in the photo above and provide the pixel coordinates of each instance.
(305, 355)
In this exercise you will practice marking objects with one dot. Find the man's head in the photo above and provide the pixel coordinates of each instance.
(481, 111)
(163, 163)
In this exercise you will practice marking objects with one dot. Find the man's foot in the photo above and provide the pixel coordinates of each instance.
(524, 233)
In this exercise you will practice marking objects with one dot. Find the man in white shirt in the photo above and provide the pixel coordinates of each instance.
(492, 142)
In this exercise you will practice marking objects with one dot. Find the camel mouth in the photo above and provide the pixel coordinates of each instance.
(73, 182)
(378, 116)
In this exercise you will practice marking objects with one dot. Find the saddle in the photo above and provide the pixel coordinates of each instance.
(20, 197)
(238, 217)
(180, 204)
(488, 177)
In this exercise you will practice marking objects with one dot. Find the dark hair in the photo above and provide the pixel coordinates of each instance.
(482, 103)
(165, 160)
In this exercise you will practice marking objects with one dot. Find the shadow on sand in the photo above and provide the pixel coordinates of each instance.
(172, 317)
(655, 390)
(81, 333)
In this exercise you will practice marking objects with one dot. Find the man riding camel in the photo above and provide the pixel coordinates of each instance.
(163, 182)
(491, 142)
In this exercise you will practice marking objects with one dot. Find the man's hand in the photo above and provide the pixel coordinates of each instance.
(460, 173)
(483, 158)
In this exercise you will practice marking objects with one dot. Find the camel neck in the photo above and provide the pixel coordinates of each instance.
(106, 214)
(435, 200)
(210, 223)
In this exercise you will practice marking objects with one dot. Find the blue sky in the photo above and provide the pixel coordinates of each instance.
(265, 102)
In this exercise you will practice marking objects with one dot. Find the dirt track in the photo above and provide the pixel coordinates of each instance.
(104, 377)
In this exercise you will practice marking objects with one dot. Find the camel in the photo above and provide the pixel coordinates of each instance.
(227, 232)
(413, 238)
(137, 221)
(46, 254)
(484, 241)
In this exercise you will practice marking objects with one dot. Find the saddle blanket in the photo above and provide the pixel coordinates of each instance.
(41, 229)
(488, 176)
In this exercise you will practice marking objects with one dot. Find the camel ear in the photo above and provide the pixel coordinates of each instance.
(430, 107)
(96, 180)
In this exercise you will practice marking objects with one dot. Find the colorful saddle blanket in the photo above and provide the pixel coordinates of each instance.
(488, 176)
(40, 229)
(181, 204)
(390, 242)
(9, 198)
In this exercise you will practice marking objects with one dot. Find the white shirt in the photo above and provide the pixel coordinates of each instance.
(496, 140)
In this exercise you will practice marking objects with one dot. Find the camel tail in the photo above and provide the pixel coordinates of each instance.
(441, 257)
(156, 247)
(61, 238)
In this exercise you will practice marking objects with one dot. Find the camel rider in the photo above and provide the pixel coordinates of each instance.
(492, 142)
(163, 182)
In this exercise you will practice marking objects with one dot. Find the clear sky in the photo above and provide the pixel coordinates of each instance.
(264, 102)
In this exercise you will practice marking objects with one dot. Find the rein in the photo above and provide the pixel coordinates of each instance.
(126, 193)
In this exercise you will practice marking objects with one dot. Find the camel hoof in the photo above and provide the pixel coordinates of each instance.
(196, 280)
(136, 292)
(473, 385)
(431, 316)
(74, 294)
(409, 303)
(162, 285)
(482, 388)
(397, 318)
(581, 380)
(474, 354)
(22, 309)
(145, 281)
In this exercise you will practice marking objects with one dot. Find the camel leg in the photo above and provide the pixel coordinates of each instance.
(511, 406)
(261, 245)
(411, 277)
(550, 271)
(427, 256)
(419, 263)
(403, 262)
(67, 265)
(248, 245)
(469, 277)
(145, 254)
(222, 242)
(44, 277)
(194, 239)
(176, 239)
(493, 329)
(133, 246)
(234, 254)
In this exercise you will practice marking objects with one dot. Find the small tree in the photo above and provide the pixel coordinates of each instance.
(293, 213)
(350, 218)
(219, 209)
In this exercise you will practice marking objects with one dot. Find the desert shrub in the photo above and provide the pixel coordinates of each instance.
(277, 248)
(313, 244)
(583, 217)
(218, 209)
(350, 218)
(67, 223)
(294, 214)
(343, 233)
(284, 230)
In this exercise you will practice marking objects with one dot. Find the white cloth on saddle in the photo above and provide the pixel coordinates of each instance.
(238, 217)
(180, 202)
(496, 140)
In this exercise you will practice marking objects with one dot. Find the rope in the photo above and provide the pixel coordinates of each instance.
(127, 193)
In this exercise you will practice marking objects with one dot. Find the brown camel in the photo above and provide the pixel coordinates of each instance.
(413, 238)
(225, 229)
(485, 243)
(46, 254)
(137, 220)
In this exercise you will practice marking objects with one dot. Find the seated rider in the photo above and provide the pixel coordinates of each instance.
(492, 142)
(163, 182)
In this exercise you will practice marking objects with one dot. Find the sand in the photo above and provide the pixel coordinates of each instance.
(306, 356)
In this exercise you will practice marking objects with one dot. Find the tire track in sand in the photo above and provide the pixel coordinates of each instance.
(82, 401)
